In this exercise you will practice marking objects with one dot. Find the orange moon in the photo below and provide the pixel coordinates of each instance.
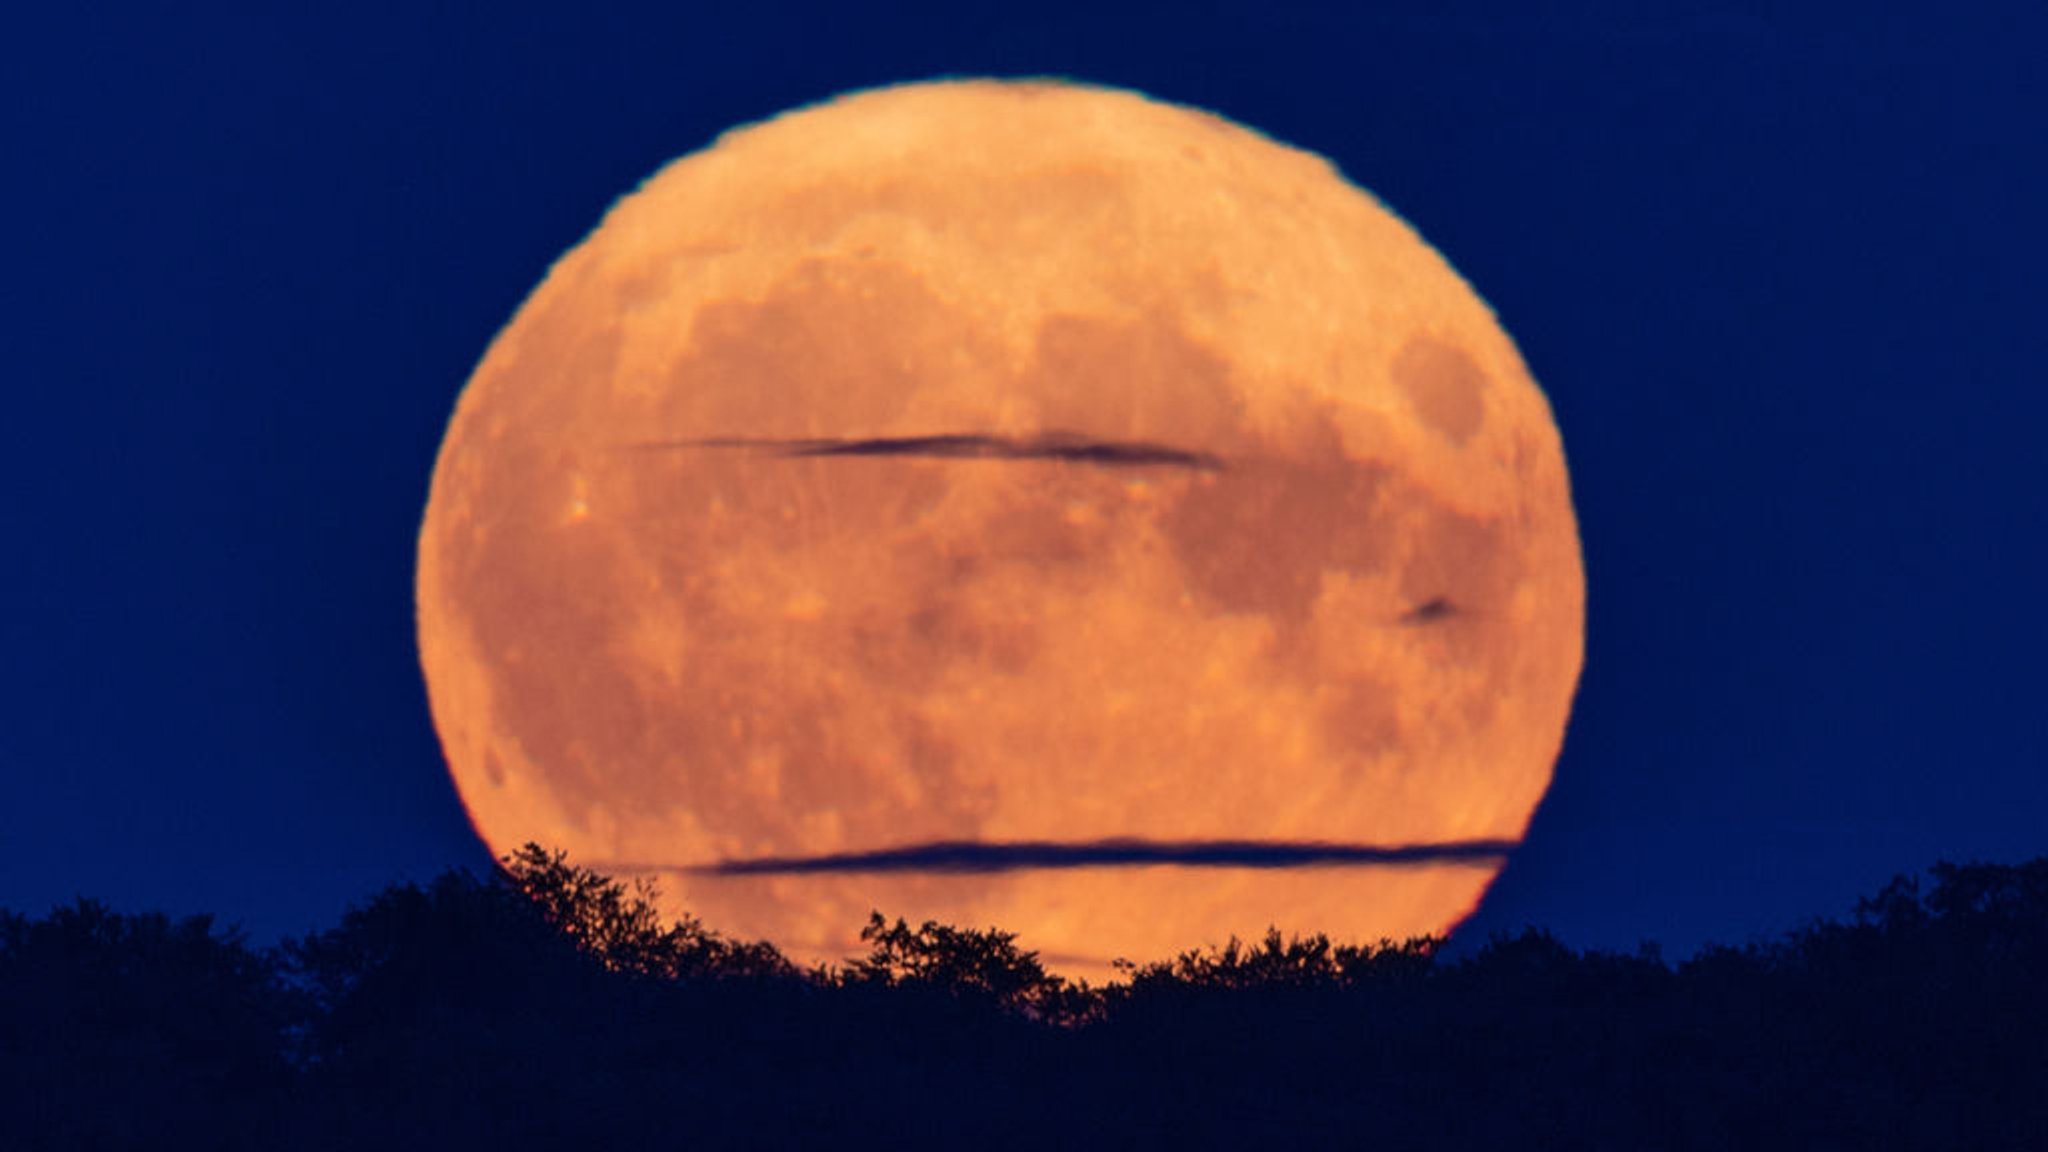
(1029, 469)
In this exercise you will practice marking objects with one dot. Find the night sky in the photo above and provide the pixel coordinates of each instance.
(1780, 276)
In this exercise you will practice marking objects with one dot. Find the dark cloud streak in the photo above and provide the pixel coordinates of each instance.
(1429, 611)
(1055, 446)
(958, 856)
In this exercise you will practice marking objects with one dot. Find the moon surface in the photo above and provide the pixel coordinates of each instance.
(1014, 504)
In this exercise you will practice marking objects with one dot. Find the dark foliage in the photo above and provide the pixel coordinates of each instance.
(120, 1031)
(551, 1006)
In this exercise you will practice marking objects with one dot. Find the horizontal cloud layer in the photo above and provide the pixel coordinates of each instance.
(1058, 446)
(1018, 856)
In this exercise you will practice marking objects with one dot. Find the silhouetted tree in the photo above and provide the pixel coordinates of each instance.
(622, 926)
(439, 1009)
(548, 1004)
(138, 1031)
(984, 965)
(1293, 962)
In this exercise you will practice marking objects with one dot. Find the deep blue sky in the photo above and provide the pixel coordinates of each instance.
(1781, 276)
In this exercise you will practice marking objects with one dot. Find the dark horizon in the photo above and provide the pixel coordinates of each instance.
(549, 1002)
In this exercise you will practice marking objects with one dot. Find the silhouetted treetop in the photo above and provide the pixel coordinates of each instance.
(1278, 961)
(623, 928)
(122, 1030)
(981, 964)
(550, 1005)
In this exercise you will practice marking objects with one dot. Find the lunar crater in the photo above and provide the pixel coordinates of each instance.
(1444, 386)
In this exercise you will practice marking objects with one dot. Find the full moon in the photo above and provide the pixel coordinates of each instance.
(1025, 505)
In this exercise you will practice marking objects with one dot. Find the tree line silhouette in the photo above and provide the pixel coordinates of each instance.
(548, 1005)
